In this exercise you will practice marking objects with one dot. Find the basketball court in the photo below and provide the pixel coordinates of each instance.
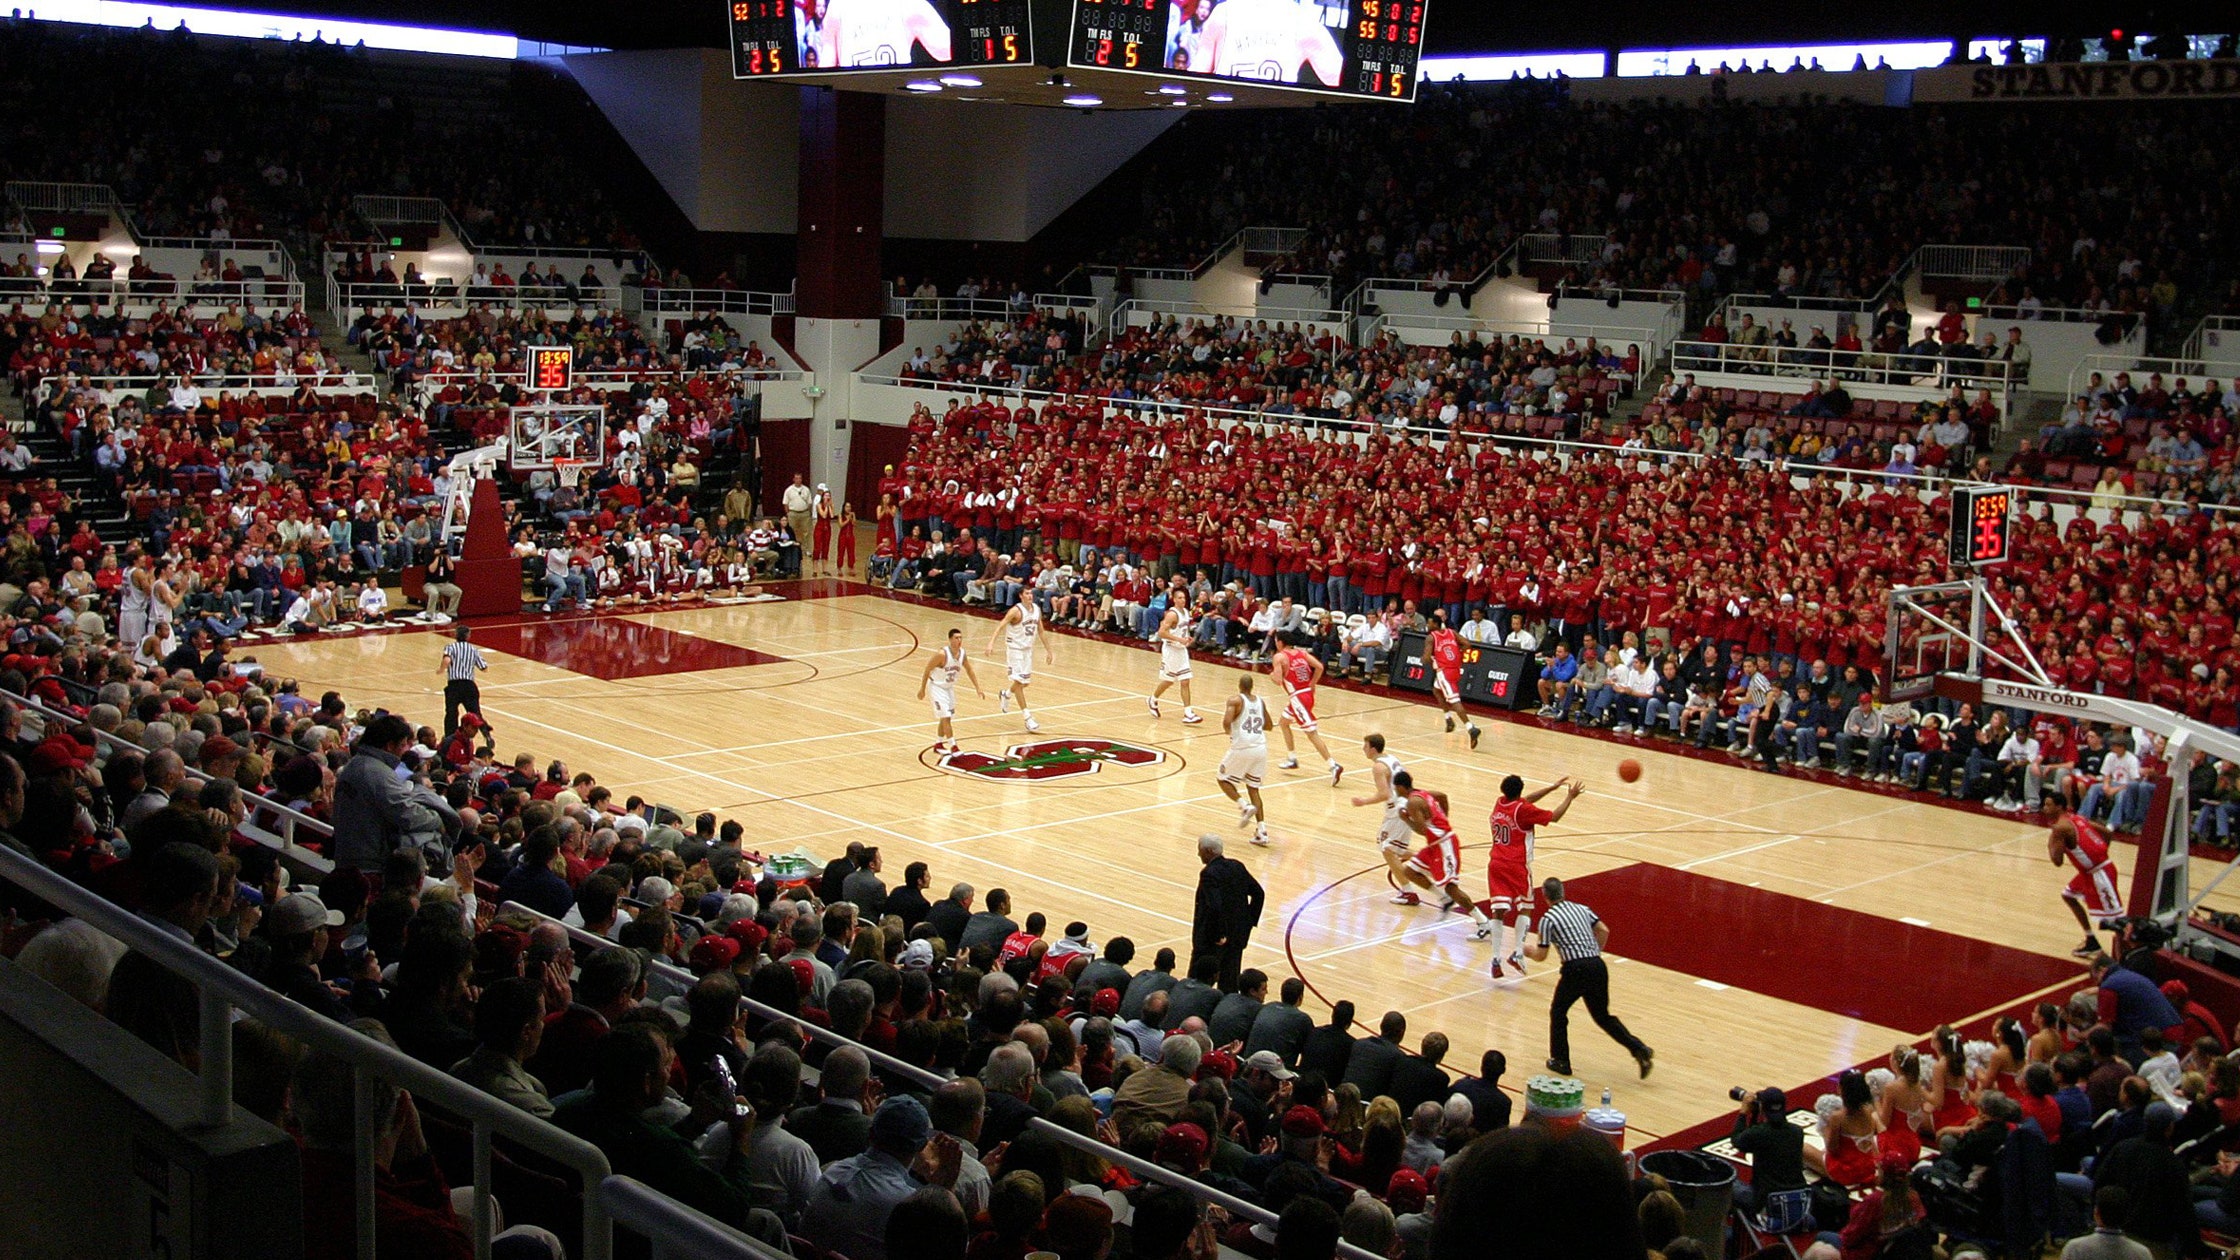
(1765, 930)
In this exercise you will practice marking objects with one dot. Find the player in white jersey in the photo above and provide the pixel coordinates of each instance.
(1245, 721)
(1019, 630)
(1395, 839)
(1174, 659)
(940, 676)
(1267, 40)
(876, 33)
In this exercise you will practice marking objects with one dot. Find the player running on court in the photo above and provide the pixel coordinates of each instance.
(1395, 842)
(2092, 893)
(1509, 865)
(940, 676)
(1438, 864)
(1245, 721)
(1174, 660)
(1019, 630)
(1299, 671)
(1446, 673)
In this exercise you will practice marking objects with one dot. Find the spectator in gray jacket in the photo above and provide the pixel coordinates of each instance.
(376, 810)
(1369, 1068)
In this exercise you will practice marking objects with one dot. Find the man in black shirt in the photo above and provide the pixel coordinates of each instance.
(948, 916)
(909, 901)
(1489, 1106)
(1330, 1048)
(1775, 1147)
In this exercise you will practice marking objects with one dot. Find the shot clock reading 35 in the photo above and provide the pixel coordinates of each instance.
(782, 37)
(1343, 47)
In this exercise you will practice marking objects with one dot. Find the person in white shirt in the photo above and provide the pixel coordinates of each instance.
(2016, 758)
(2120, 785)
(2161, 1069)
(1520, 636)
(1634, 682)
(184, 396)
(1364, 644)
(373, 603)
(1477, 629)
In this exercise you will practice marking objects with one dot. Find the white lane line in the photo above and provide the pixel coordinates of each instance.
(1774, 843)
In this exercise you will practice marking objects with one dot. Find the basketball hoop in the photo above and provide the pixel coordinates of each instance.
(568, 471)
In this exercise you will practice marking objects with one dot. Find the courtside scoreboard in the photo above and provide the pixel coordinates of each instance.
(1491, 674)
(1982, 524)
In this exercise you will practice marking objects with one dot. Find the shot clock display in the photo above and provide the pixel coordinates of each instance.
(782, 37)
(1344, 47)
(1491, 674)
(1981, 518)
(550, 367)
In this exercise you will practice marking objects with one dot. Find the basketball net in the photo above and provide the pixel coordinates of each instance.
(568, 471)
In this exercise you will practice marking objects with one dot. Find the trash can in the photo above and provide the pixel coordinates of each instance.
(1704, 1184)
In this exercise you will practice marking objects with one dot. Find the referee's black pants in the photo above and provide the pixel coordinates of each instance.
(459, 693)
(1588, 979)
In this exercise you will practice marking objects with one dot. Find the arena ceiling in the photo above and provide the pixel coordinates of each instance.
(1456, 26)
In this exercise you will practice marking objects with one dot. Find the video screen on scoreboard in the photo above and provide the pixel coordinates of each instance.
(781, 37)
(1351, 47)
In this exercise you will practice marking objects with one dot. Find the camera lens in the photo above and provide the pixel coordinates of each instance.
(1738, 1093)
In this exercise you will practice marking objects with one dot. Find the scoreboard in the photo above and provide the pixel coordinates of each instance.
(820, 37)
(1359, 48)
(1491, 674)
(550, 367)
(1982, 520)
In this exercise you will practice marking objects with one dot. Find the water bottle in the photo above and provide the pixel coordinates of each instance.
(1606, 1095)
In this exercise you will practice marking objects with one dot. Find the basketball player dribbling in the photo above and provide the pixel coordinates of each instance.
(1446, 673)
(1436, 865)
(1245, 721)
(1509, 865)
(1299, 671)
(1019, 631)
(1174, 660)
(1395, 842)
(940, 676)
(2091, 894)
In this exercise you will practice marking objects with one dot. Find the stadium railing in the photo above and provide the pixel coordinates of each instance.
(346, 300)
(1152, 309)
(677, 980)
(687, 302)
(2142, 366)
(673, 1231)
(38, 196)
(1937, 372)
(1653, 341)
(346, 382)
(2215, 339)
(1971, 262)
(1000, 310)
(621, 379)
(224, 990)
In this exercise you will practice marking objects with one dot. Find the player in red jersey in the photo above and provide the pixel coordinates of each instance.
(1438, 865)
(1509, 865)
(1299, 671)
(2092, 893)
(1446, 673)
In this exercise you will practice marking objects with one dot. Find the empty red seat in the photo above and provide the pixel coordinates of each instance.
(2084, 475)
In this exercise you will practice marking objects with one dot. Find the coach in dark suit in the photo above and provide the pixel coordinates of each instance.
(1229, 902)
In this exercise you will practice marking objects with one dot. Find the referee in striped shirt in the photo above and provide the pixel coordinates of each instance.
(1577, 936)
(461, 662)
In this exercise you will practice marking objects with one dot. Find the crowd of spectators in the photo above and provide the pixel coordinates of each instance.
(1821, 200)
(443, 930)
(263, 139)
(1296, 370)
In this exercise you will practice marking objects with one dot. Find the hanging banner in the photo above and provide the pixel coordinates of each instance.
(2084, 81)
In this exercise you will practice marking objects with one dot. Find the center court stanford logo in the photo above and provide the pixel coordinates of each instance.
(1048, 759)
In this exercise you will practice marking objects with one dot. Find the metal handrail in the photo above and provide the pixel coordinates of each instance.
(53, 197)
(290, 821)
(669, 301)
(933, 1080)
(631, 376)
(349, 381)
(955, 308)
(2210, 336)
(1273, 314)
(1897, 368)
(2054, 314)
(676, 1231)
(2108, 365)
(447, 291)
(224, 990)
(120, 290)
(1972, 262)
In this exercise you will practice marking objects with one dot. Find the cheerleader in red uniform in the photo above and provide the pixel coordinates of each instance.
(1850, 1136)
(1949, 1108)
(846, 564)
(820, 547)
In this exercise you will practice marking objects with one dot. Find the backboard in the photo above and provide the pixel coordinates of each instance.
(540, 434)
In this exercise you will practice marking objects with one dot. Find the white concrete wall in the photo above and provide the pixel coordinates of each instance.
(978, 171)
(726, 152)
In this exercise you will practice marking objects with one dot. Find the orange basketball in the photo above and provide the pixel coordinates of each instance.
(1629, 769)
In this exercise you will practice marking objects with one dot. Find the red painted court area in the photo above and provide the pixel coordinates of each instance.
(1826, 957)
(611, 647)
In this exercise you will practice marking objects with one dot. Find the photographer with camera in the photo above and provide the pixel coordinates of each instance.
(1776, 1147)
